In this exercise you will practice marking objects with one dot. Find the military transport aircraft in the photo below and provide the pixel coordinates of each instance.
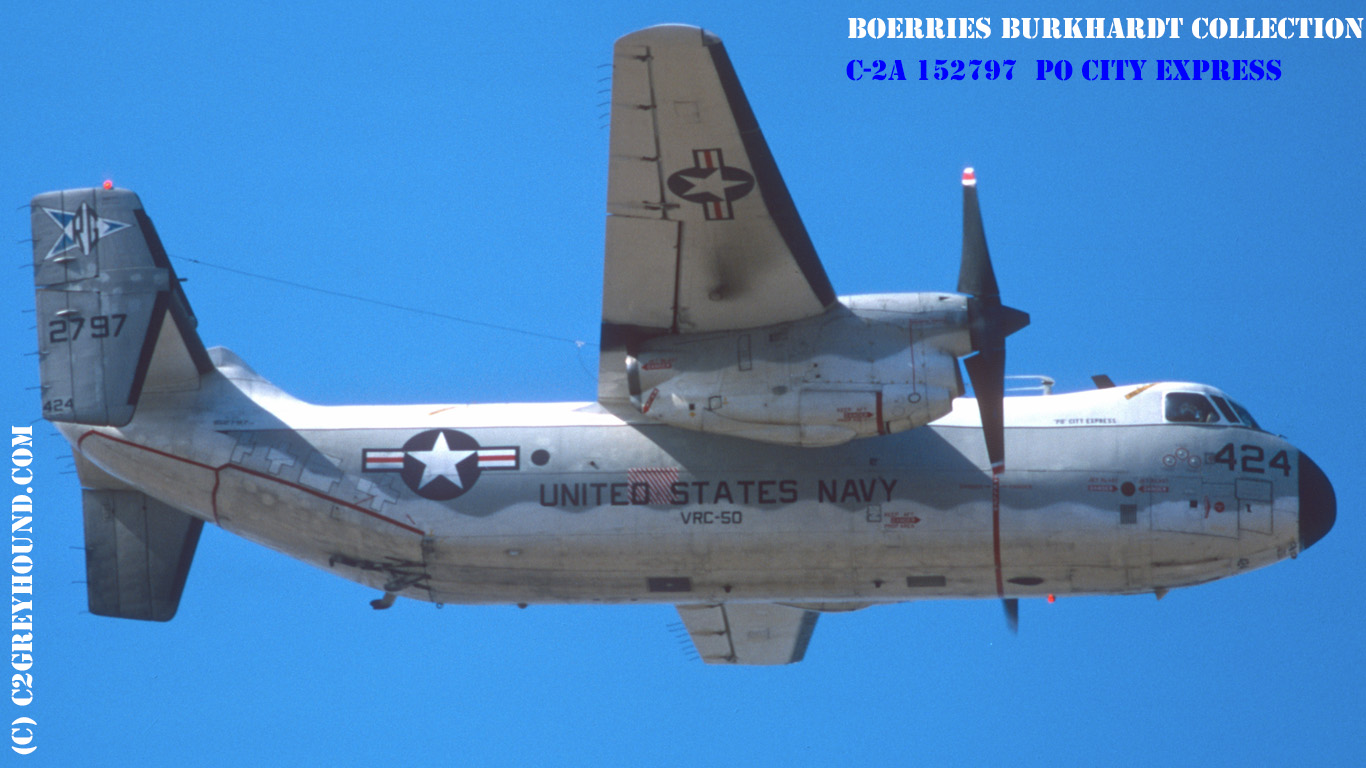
(761, 450)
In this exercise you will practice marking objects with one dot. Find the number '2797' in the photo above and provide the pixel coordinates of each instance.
(69, 329)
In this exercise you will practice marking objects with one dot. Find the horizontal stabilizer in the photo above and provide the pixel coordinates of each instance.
(113, 322)
(137, 554)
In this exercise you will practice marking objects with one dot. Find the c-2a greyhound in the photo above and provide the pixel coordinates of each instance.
(761, 451)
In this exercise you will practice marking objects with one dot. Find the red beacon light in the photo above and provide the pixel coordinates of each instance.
(108, 184)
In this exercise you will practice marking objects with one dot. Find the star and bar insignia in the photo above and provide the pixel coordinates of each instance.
(712, 184)
(440, 464)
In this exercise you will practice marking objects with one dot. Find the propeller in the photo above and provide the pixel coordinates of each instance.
(990, 322)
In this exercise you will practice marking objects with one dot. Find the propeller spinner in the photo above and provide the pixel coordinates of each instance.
(991, 322)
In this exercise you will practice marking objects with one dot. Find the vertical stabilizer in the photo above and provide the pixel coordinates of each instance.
(137, 554)
(113, 322)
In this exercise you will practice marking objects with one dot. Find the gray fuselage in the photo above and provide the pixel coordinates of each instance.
(572, 504)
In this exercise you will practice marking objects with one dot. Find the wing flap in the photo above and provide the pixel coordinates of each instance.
(759, 634)
(634, 184)
(640, 292)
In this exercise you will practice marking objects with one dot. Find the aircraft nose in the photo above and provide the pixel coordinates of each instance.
(1318, 503)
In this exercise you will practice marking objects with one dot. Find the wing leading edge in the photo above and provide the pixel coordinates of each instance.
(702, 234)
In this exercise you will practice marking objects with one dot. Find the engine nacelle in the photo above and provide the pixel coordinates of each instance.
(871, 365)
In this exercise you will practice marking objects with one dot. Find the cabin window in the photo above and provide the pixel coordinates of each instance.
(1190, 408)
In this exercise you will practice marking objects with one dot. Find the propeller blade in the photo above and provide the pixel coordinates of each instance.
(975, 275)
(1009, 320)
(991, 321)
(1012, 606)
(987, 371)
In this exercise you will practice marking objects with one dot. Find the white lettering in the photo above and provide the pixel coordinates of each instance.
(21, 588)
(21, 733)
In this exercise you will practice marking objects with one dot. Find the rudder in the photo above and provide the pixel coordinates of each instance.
(137, 554)
(113, 322)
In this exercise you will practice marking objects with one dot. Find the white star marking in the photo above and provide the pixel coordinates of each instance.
(440, 461)
(711, 184)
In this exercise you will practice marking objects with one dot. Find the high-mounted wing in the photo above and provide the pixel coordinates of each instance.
(749, 633)
(702, 234)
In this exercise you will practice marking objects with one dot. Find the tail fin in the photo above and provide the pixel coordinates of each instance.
(113, 322)
(137, 554)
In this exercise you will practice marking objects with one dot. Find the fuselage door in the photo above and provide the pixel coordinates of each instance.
(1254, 505)
(1219, 510)
(1195, 507)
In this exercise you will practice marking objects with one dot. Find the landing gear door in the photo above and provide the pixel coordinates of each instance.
(1254, 505)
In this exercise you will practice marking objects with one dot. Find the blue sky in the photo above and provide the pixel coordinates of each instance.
(455, 161)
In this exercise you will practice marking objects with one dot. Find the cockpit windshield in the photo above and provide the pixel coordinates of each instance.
(1197, 408)
(1224, 408)
(1190, 408)
(1245, 416)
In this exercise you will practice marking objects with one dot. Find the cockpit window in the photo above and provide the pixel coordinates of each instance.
(1246, 417)
(1190, 408)
(1223, 408)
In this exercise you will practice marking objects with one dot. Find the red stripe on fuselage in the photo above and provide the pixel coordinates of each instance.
(996, 530)
(213, 498)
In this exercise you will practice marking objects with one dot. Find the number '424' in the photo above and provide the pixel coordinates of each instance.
(1251, 459)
